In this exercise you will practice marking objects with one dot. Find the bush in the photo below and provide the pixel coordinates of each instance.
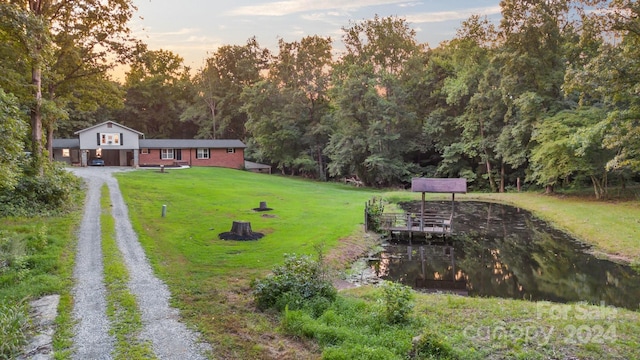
(398, 302)
(296, 284)
(374, 211)
(13, 322)
(36, 194)
(432, 346)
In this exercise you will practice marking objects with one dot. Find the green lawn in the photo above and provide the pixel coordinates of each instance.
(210, 278)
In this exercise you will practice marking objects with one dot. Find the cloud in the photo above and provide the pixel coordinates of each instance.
(432, 17)
(287, 7)
(180, 32)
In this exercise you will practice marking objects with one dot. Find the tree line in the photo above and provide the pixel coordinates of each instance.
(549, 95)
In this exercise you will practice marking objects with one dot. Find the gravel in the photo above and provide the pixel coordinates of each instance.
(170, 338)
(92, 339)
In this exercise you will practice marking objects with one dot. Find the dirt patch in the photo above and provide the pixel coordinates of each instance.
(245, 237)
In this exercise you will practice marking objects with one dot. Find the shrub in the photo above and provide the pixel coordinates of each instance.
(374, 211)
(13, 322)
(432, 346)
(398, 302)
(36, 194)
(296, 284)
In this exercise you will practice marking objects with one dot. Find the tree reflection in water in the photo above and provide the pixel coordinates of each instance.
(502, 251)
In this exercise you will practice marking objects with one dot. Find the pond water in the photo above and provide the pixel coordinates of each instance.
(503, 251)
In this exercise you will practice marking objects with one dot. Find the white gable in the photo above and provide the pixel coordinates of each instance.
(109, 136)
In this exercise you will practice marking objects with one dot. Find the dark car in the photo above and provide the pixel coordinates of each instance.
(96, 162)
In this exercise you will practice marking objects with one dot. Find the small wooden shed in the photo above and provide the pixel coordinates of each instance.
(425, 222)
(439, 185)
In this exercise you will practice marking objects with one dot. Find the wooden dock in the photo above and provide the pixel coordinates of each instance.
(426, 222)
(431, 223)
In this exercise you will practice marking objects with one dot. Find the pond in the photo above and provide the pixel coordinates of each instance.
(503, 251)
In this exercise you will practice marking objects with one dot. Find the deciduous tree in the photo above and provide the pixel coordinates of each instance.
(63, 41)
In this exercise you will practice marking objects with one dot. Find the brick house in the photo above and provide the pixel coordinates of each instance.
(222, 153)
(119, 145)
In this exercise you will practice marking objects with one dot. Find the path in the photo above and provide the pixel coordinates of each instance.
(170, 339)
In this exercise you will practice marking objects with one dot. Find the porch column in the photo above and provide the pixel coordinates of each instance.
(135, 158)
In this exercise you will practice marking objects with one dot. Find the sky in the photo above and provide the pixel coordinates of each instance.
(194, 29)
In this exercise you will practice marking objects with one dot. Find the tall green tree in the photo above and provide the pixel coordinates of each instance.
(217, 109)
(63, 41)
(13, 130)
(622, 81)
(607, 76)
(471, 92)
(288, 126)
(532, 71)
(158, 88)
(569, 148)
(375, 125)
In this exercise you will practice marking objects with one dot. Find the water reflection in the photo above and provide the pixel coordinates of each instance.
(503, 251)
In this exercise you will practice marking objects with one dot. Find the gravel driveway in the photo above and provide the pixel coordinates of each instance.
(170, 339)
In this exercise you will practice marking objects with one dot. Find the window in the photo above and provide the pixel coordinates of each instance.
(166, 154)
(144, 151)
(202, 153)
(109, 139)
(98, 152)
(231, 150)
(65, 153)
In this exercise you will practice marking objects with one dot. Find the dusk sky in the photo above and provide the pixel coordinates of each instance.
(194, 29)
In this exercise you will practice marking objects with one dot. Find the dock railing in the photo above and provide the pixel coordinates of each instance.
(415, 222)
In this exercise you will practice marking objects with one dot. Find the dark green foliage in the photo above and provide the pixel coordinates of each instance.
(33, 195)
(296, 284)
(12, 130)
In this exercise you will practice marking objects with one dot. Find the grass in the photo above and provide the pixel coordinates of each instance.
(210, 278)
(486, 328)
(122, 309)
(46, 266)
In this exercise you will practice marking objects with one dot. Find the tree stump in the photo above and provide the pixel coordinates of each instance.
(263, 207)
(240, 230)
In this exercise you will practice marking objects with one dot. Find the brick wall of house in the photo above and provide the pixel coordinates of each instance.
(217, 157)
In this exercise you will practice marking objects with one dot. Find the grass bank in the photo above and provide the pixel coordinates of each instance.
(36, 259)
(210, 278)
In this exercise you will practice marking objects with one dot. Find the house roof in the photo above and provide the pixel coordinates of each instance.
(66, 143)
(434, 185)
(190, 143)
(107, 122)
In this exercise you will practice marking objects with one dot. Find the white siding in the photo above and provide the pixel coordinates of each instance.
(89, 138)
